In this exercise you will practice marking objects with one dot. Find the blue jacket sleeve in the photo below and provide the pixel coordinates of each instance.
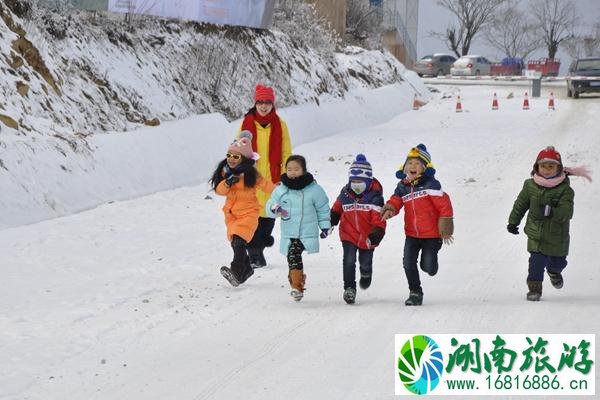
(274, 199)
(321, 204)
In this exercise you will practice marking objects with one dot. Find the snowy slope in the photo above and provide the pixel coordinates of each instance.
(50, 176)
(125, 301)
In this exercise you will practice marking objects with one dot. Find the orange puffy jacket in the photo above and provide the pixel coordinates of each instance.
(242, 207)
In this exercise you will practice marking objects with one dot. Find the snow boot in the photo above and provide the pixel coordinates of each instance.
(261, 258)
(556, 279)
(535, 290)
(238, 273)
(297, 280)
(414, 299)
(350, 295)
(364, 282)
(230, 276)
(257, 260)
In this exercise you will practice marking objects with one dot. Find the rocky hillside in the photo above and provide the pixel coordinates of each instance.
(69, 76)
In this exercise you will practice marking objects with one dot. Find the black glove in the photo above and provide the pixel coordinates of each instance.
(325, 232)
(231, 180)
(512, 228)
(334, 217)
(547, 211)
(376, 235)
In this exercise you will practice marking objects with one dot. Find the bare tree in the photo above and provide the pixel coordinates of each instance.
(586, 45)
(555, 20)
(473, 16)
(364, 22)
(511, 32)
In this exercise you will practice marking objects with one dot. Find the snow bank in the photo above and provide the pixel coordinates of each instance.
(58, 176)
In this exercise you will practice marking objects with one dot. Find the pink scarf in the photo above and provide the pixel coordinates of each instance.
(557, 180)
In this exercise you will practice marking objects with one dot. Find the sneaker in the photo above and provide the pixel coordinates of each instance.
(350, 295)
(296, 294)
(365, 282)
(414, 299)
(556, 279)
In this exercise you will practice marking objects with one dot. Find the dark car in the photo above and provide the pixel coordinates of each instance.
(434, 65)
(579, 70)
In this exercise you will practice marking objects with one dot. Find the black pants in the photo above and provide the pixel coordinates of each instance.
(365, 261)
(294, 255)
(240, 266)
(429, 261)
(262, 236)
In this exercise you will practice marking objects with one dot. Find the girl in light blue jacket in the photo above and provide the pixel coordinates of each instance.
(304, 210)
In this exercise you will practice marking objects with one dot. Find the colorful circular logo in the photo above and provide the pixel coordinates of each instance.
(420, 364)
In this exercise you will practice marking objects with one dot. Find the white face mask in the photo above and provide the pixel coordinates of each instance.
(358, 187)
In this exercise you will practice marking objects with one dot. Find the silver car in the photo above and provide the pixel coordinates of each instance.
(434, 64)
(471, 65)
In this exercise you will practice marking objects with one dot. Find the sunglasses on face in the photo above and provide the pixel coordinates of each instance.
(260, 103)
(234, 156)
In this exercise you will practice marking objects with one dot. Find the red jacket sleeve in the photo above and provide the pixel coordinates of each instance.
(337, 207)
(443, 205)
(396, 202)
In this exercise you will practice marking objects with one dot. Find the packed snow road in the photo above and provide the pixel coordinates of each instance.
(126, 302)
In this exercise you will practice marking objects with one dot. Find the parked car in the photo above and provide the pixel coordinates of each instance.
(508, 67)
(583, 68)
(435, 64)
(471, 65)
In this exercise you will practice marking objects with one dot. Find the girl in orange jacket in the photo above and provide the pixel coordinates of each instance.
(237, 178)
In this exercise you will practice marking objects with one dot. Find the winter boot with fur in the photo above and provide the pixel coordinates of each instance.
(535, 290)
(350, 295)
(364, 282)
(297, 280)
(556, 279)
(414, 299)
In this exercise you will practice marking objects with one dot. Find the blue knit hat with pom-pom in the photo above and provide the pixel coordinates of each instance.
(420, 153)
(361, 170)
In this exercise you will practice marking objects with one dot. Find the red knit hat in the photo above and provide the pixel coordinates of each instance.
(549, 154)
(264, 93)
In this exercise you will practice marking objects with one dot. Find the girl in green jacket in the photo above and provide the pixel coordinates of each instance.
(548, 197)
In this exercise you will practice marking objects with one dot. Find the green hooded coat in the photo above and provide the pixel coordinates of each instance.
(546, 235)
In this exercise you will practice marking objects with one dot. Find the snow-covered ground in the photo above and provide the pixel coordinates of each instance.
(125, 301)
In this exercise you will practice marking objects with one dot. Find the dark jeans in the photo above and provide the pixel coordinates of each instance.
(538, 262)
(262, 235)
(429, 261)
(365, 261)
(294, 255)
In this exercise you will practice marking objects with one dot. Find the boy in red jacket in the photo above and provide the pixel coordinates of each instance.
(427, 218)
(357, 210)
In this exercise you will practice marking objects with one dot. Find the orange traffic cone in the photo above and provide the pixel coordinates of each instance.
(416, 103)
(551, 101)
(526, 102)
(495, 102)
(458, 105)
